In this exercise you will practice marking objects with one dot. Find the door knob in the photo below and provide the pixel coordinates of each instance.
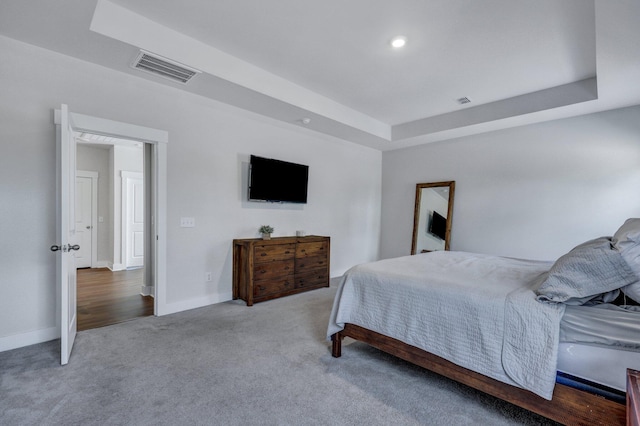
(64, 248)
(88, 227)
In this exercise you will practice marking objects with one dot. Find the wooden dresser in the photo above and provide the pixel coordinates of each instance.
(281, 266)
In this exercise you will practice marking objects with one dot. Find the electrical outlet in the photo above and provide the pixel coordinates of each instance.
(207, 276)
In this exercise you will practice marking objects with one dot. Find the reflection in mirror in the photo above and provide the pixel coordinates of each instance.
(432, 216)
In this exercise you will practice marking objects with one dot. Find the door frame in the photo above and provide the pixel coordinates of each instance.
(158, 140)
(94, 176)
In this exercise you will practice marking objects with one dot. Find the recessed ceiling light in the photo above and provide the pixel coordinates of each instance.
(398, 42)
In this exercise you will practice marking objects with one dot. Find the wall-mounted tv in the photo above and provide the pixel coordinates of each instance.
(277, 181)
(438, 225)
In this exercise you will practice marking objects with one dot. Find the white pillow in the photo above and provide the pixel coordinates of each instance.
(627, 241)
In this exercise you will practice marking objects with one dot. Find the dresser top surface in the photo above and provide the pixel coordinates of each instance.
(281, 240)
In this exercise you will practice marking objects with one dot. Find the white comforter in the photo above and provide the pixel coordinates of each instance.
(477, 311)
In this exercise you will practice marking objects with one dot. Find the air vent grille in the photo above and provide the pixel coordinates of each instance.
(163, 67)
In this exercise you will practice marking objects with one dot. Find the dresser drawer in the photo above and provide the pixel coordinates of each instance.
(312, 249)
(318, 278)
(271, 270)
(273, 252)
(269, 287)
(306, 264)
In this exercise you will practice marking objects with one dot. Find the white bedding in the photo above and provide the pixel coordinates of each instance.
(477, 311)
(605, 324)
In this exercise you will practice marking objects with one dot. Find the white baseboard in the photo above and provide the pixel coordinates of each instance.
(102, 264)
(30, 338)
(116, 267)
(146, 290)
(185, 305)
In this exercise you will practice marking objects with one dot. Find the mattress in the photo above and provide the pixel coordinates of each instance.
(598, 343)
(606, 366)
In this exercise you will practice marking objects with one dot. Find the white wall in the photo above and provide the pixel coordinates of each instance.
(534, 191)
(209, 146)
(96, 159)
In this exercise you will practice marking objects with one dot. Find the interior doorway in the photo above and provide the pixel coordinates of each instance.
(110, 222)
(155, 142)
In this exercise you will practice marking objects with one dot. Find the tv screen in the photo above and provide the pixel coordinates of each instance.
(438, 226)
(277, 181)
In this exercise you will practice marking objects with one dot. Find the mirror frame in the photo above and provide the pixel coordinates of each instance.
(416, 213)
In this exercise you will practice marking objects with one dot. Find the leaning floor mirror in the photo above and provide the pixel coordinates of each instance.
(432, 216)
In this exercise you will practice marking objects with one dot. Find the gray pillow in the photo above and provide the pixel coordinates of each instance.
(588, 270)
(627, 241)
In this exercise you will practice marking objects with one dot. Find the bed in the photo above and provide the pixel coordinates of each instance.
(512, 328)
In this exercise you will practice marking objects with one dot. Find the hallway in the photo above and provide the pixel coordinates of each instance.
(106, 297)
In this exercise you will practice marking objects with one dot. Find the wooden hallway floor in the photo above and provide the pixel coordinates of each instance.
(106, 297)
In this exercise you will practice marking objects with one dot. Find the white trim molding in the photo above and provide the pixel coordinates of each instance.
(199, 302)
(15, 341)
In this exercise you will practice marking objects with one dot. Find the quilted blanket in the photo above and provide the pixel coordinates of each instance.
(477, 311)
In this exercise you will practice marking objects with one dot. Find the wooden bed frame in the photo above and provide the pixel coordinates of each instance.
(568, 406)
(633, 398)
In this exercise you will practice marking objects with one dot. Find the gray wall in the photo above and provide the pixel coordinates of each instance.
(534, 191)
(209, 146)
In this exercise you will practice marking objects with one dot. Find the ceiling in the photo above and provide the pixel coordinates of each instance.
(330, 61)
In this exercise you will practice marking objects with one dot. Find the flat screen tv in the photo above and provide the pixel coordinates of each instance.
(277, 181)
(438, 225)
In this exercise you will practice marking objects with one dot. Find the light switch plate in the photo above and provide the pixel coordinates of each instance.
(187, 222)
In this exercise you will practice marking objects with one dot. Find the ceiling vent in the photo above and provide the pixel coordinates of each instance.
(163, 67)
(464, 100)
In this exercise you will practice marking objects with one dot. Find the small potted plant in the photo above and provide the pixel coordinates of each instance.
(266, 231)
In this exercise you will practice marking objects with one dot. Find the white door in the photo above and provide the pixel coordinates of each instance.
(84, 220)
(66, 267)
(133, 207)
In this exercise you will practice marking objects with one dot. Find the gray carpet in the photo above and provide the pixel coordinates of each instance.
(229, 364)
